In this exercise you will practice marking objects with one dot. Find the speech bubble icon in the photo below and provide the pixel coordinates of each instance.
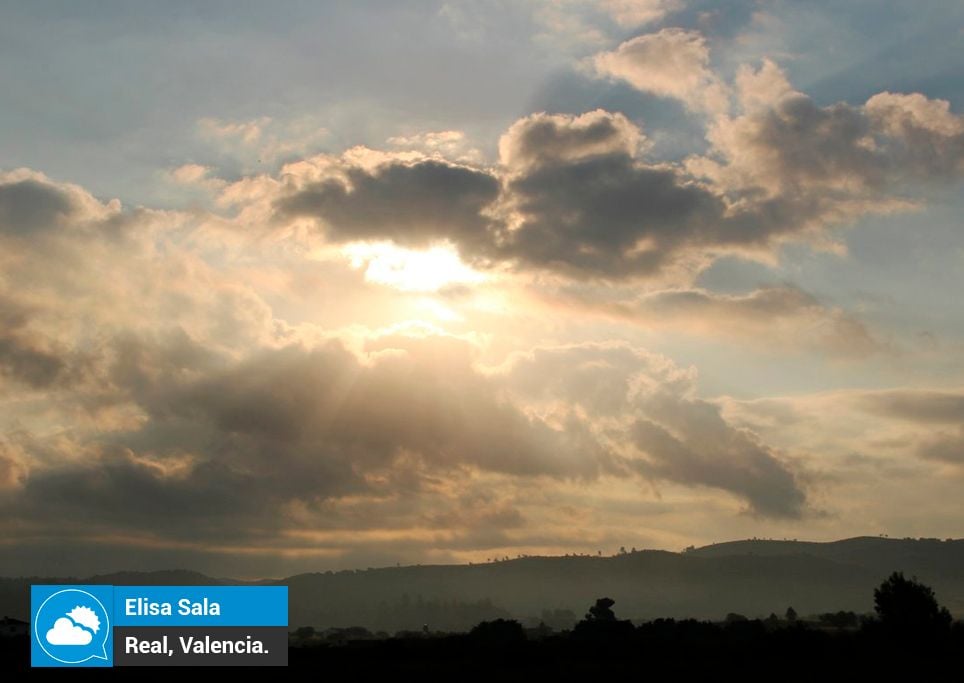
(73, 610)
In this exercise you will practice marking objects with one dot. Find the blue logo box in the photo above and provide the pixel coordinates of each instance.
(71, 626)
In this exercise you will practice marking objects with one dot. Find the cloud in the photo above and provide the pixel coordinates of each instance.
(224, 382)
(939, 415)
(236, 445)
(288, 440)
(31, 204)
(670, 63)
(64, 632)
(27, 355)
(666, 433)
(928, 137)
(758, 89)
(577, 198)
(920, 406)
(947, 448)
(28, 205)
(445, 144)
(542, 139)
(785, 145)
(285, 377)
(588, 207)
(412, 203)
(717, 455)
(12, 469)
(197, 175)
(781, 315)
(190, 173)
(575, 195)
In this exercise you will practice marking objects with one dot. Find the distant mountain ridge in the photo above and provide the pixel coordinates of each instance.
(752, 577)
(921, 554)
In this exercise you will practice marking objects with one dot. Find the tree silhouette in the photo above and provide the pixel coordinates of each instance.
(791, 615)
(498, 631)
(602, 610)
(601, 623)
(907, 605)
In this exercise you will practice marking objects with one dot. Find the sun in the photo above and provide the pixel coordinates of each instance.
(410, 270)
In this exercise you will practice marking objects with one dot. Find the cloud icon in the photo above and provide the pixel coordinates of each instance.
(65, 632)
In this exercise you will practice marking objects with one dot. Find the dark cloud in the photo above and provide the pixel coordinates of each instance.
(785, 168)
(419, 396)
(31, 205)
(574, 199)
(412, 204)
(803, 144)
(680, 438)
(544, 139)
(948, 448)
(233, 445)
(695, 445)
(24, 360)
(785, 147)
(118, 489)
(25, 355)
(237, 452)
(605, 217)
(574, 196)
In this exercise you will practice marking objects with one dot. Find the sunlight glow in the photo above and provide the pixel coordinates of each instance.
(410, 270)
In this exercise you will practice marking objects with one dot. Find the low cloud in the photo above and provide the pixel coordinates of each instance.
(948, 448)
(665, 432)
(920, 406)
(783, 315)
(937, 415)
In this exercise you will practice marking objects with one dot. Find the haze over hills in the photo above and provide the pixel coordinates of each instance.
(754, 578)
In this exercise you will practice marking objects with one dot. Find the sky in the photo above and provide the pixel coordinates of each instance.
(302, 286)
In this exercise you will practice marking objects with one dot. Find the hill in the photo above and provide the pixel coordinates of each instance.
(753, 577)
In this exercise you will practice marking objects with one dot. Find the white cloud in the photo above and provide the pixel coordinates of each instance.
(670, 63)
(65, 632)
(197, 175)
(448, 144)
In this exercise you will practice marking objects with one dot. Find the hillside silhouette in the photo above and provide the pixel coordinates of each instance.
(753, 578)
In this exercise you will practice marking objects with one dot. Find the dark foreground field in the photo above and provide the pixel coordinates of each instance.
(685, 649)
(909, 637)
